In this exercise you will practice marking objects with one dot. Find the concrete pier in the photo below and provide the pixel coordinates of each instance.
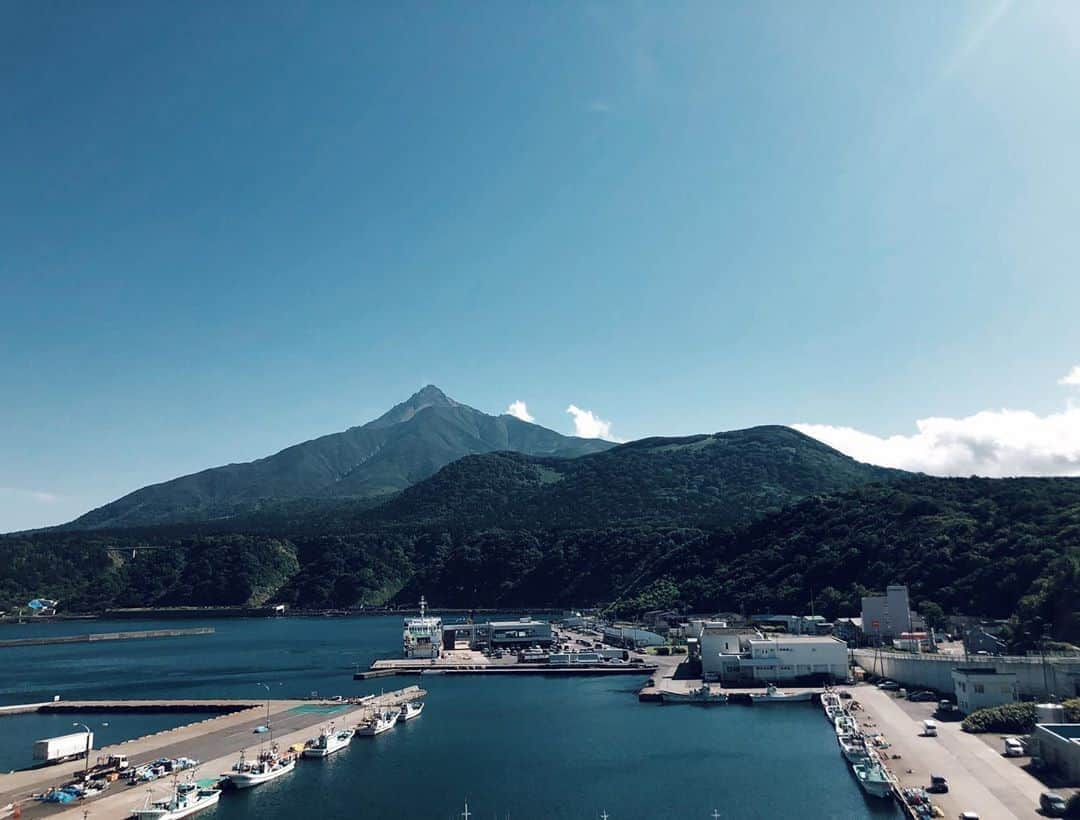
(91, 637)
(217, 742)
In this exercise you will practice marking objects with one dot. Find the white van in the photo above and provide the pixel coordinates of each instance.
(929, 728)
(1013, 747)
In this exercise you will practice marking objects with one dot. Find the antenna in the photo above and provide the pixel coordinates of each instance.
(466, 814)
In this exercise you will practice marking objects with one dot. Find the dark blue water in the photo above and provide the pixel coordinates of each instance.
(523, 748)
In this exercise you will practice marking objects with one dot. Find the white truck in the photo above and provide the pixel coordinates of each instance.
(64, 747)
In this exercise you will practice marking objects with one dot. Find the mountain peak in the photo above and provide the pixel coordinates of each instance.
(427, 396)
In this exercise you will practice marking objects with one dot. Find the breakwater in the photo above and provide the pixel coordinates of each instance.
(106, 636)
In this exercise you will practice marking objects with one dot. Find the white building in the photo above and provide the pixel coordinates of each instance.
(981, 687)
(734, 655)
(886, 616)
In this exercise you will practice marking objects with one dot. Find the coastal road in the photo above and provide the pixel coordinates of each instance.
(980, 779)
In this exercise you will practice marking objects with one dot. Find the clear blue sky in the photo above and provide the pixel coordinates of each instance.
(225, 228)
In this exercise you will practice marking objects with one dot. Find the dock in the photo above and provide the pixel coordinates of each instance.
(91, 637)
(216, 741)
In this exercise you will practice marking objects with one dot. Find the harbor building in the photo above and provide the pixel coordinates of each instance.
(508, 635)
(736, 657)
(629, 636)
(979, 687)
(885, 617)
(1059, 748)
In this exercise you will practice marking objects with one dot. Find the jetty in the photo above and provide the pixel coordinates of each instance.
(216, 741)
(91, 637)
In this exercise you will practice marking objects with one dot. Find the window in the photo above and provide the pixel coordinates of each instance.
(978, 688)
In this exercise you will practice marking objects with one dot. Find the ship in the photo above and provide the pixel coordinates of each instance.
(774, 695)
(422, 637)
(382, 721)
(873, 778)
(328, 742)
(410, 710)
(186, 799)
(702, 694)
(845, 725)
(268, 766)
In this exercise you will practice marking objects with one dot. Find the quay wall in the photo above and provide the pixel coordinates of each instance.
(1034, 679)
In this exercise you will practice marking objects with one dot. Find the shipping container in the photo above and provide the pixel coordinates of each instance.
(64, 747)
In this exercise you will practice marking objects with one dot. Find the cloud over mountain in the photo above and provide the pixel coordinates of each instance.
(588, 425)
(518, 410)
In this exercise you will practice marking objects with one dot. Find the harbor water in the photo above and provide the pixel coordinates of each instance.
(528, 747)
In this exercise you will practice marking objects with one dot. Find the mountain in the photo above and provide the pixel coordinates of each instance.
(406, 444)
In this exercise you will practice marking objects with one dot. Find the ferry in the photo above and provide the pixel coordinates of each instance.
(410, 710)
(328, 742)
(186, 799)
(422, 637)
(774, 695)
(873, 778)
(268, 766)
(702, 694)
(381, 721)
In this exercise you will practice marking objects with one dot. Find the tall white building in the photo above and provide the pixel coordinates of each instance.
(887, 616)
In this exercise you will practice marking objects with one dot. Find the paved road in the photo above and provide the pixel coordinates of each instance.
(980, 779)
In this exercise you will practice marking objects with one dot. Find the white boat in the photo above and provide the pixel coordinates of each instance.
(872, 777)
(774, 695)
(702, 694)
(267, 766)
(382, 721)
(328, 742)
(853, 748)
(186, 799)
(845, 725)
(410, 710)
(422, 637)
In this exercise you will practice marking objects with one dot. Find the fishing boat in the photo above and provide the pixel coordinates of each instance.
(774, 695)
(328, 742)
(873, 778)
(186, 799)
(853, 748)
(382, 721)
(702, 694)
(410, 710)
(845, 725)
(267, 766)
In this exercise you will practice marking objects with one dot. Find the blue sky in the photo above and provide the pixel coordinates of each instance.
(227, 229)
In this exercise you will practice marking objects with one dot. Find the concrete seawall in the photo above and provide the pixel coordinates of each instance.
(1034, 679)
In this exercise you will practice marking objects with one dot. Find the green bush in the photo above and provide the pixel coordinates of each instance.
(1011, 718)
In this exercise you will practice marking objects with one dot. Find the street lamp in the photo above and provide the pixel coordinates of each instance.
(89, 735)
(267, 688)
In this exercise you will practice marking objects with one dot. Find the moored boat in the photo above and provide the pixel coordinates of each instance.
(872, 777)
(774, 695)
(267, 766)
(186, 799)
(702, 694)
(382, 721)
(409, 710)
(845, 725)
(328, 742)
(853, 747)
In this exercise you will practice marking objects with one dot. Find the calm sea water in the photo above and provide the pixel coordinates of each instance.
(524, 748)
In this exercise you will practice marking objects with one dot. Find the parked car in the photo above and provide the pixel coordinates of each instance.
(946, 707)
(938, 784)
(923, 696)
(1052, 804)
(889, 685)
(968, 815)
(1013, 747)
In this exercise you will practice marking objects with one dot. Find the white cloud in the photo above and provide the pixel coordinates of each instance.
(989, 443)
(31, 495)
(1072, 378)
(588, 425)
(518, 410)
